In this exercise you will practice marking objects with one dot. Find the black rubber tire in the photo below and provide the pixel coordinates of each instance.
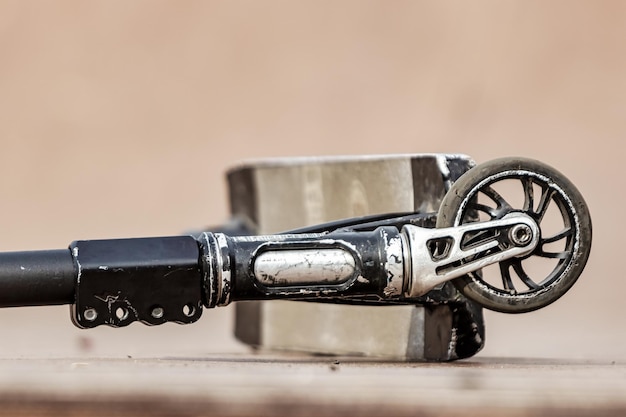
(454, 209)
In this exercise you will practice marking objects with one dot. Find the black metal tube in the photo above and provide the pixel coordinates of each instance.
(36, 278)
(305, 266)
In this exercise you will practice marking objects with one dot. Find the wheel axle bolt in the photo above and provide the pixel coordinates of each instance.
(520, 234)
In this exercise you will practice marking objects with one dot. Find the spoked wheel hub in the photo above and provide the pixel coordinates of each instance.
(497, 188)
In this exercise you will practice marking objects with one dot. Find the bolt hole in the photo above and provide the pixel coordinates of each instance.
(121, 313)
(157, 312)
(520, 235)
(189, 310)
(90, 314)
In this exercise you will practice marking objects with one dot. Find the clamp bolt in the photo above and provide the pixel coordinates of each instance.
(520, 234)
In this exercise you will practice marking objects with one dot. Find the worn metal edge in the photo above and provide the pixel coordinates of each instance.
(307, 160)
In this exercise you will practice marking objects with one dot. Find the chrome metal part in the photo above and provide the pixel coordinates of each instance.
(520, 235)
(216, 269)
(394, 265)
(277, 268)
(209, 262)
(439, 255)
(223, 274)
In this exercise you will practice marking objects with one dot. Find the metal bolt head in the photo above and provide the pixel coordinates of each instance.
(157, 312)
(90, 314)
(520, 234)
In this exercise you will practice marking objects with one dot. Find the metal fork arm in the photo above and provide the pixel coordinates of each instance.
(439, 255)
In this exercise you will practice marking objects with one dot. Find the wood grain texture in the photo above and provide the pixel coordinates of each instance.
(264, 385)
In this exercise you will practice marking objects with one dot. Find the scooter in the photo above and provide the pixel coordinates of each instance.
(494, 224)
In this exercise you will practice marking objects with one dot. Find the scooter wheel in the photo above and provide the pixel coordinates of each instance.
(492, 190)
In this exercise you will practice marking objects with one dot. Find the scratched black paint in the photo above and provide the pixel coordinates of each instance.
(367, 248)
(124, 280)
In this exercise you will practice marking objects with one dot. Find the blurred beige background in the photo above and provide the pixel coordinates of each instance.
(119, 118)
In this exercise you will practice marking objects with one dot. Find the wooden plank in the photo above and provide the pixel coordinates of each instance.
(260, 385)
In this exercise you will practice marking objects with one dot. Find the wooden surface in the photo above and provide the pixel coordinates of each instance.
(262, 385)
(49, 368)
